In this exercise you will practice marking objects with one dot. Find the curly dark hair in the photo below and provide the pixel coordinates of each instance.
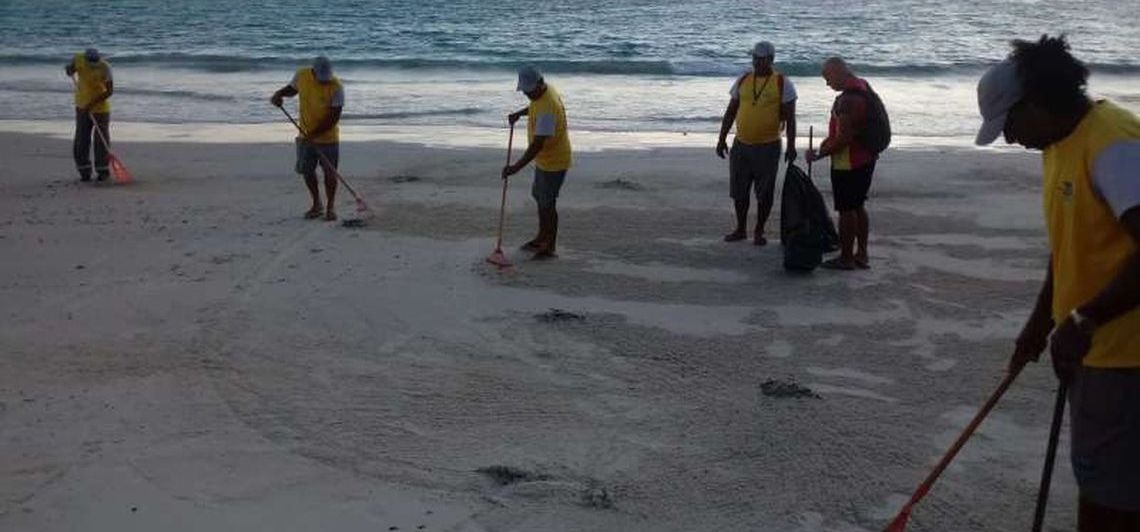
(1050, 75)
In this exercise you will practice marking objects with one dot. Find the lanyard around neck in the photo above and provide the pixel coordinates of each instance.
(755, 94)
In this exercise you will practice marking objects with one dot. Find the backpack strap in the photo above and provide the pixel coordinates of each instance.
(780, 95)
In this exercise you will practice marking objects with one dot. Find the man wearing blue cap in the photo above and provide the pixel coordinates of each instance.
(321, 100)
(549, 148)
(1088, 311)
(93, 90)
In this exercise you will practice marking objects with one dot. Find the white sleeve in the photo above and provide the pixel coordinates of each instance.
(789, 91)
(337, 98)
(110, 78)
(544, 125)
(293, 82)
(1116, 175)
(734, 92)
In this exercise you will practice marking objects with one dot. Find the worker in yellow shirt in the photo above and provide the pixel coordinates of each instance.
(1088, 310)
(321, 98)
(549, 148)
(93, 91)
(762, 103)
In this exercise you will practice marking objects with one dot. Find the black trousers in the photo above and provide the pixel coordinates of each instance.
(81, 148)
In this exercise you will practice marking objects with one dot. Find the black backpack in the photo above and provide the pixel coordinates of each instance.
(806, 229)
(876, 133)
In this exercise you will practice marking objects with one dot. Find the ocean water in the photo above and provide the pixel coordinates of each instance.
(634, 66)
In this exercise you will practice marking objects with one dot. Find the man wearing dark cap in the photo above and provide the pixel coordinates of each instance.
(549, 148)
(1088, 310)
(93, 90)
(321, 98)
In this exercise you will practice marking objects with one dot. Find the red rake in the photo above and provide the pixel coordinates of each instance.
(497, 257)
(899, 523)
(119, 170)
(361, 208)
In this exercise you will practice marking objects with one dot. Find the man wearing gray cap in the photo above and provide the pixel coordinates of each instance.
(769, 105)
(93, 90)
(549, 148)
(1088, 310)
(321, 100)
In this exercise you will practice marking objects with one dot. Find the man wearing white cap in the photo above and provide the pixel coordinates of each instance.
(1088, 310)
(549, 148)
(321, 101)
(93, 90)
(769, 105)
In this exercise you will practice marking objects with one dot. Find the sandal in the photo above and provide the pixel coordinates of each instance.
(330, 216)
(735, 236)
(313, 213)
(837, 264)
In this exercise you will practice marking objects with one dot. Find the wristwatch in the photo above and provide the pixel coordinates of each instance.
(1083, 323)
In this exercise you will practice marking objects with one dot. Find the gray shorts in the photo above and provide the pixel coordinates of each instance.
(753, 164)
(308, 158)
(546, 187)
(1105, 408)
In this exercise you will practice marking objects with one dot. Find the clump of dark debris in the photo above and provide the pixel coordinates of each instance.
(504, 475)
(786, 390)
(620, 184)
(555, 315)
(598, 498)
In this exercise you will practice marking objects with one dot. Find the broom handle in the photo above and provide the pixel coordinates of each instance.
(811, 145)
(1050, 456)
(503, 203)
(969, 431)
(326, 163)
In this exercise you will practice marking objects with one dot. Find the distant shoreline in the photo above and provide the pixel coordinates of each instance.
(431, 135)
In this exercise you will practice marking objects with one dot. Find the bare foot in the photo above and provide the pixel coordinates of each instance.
(313, 213)
(330, 215)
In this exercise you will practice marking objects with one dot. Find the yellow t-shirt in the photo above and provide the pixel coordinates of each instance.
(92, 82)
(758, 117)
(555, 155)
(317, 100)
(1088, 242)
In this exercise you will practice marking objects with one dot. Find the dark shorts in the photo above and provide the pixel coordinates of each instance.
(849, 187)
(546, 187)
(1104, 405)
(308, 158)
(753, 164)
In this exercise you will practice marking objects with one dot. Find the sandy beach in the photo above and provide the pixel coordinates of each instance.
(187, 353)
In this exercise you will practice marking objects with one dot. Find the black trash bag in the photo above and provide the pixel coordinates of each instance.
(806, 229)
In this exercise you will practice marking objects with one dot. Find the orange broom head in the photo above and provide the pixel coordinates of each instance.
(899, 524)
(499, 259)
(119, 170)
(362, 209)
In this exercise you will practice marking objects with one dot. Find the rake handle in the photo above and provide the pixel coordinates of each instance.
(960, 442)
(503, 203)
(1050, 457)
(325, 162)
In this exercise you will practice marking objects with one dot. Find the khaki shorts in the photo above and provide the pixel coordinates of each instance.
(753, 165)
